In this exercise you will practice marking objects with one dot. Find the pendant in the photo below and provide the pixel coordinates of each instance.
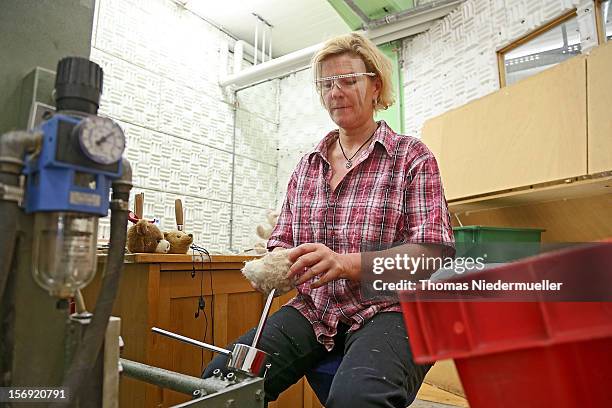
(349, 164)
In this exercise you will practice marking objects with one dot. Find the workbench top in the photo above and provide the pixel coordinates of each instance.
(180, 258)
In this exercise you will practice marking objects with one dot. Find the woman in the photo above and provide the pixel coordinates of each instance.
(363, 187)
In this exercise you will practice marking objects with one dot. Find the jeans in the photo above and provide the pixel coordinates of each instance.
(376, 369)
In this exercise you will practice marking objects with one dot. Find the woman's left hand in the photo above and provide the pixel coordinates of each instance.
(319, 260)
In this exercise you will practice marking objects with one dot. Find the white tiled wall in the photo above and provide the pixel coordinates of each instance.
(303, 122)
(256, 160)
(185, 139)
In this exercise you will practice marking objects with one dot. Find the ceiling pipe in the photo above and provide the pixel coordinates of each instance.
(274, 68)
(427, 11)
(385, 37)
(248, 51)
(400, 25)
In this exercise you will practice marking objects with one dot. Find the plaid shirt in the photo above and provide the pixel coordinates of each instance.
(393, 194)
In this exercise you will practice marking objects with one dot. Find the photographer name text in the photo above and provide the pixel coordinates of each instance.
(474, 285)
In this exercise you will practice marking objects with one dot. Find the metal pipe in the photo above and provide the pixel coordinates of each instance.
(410, 13)
(271, 69)
(255, 42)
(398, 26)
(189, 340)
(270, 47)
(89, 349)
(263, 43)
(263, 318)
(13, 147)
(8, 225)
(185, 384)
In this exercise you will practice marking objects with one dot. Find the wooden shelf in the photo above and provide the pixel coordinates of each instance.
(180, 258)
(598, 185)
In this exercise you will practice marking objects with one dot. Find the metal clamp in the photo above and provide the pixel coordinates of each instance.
(11, 193)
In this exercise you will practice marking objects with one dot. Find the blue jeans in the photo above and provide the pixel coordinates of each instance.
(376, 369)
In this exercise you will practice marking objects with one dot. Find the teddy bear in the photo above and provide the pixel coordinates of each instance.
(270, 272)
(146, 237)
(179, 241)
(263, 231)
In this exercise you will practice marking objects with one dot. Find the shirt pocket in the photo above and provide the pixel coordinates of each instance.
(378, 218)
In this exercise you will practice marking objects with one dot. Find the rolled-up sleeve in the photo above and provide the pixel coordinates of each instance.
(282, 234)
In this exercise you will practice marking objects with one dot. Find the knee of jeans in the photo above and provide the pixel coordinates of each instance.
(363, 388)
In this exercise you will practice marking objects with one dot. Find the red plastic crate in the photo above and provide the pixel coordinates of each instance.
(523, 354)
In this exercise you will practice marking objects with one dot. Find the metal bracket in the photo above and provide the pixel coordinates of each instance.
(11, 193)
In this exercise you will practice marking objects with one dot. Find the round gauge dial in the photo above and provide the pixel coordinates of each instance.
(101, 139)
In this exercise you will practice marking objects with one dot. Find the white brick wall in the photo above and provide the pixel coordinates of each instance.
(161, 67)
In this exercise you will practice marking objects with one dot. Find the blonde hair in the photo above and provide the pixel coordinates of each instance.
(374, 60)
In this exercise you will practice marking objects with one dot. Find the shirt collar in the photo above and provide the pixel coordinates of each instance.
(383, 135)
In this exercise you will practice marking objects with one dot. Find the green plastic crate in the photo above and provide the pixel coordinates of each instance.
(497, 244)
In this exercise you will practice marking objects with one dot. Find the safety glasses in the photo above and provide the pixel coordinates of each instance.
(343, 81)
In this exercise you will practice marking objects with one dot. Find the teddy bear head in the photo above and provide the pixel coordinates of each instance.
(146, 237)
(264, 231)
(179, 241)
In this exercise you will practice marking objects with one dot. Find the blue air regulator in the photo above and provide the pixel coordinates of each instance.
(68, 179)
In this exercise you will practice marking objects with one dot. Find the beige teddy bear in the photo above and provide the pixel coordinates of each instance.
(179, 241)
(270, 272)
(264, 231)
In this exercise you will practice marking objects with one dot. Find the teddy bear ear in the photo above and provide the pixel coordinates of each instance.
(141, 227)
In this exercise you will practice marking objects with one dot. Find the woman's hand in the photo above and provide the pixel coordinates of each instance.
(319, 260)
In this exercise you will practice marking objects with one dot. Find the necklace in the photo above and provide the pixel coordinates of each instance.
(349, 162)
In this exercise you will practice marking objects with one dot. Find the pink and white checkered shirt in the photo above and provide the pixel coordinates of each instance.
(393, 194)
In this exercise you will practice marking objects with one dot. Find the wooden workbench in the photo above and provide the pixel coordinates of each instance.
(159, 290)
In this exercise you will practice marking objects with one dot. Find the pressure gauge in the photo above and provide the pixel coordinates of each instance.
(101, 139)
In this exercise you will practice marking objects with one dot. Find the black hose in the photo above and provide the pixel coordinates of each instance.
(9, 211)
(89, 347)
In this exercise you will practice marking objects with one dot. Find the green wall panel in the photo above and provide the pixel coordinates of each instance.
(394, 116)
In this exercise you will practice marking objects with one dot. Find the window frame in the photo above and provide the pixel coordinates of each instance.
(528, 37)
(599, 23)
